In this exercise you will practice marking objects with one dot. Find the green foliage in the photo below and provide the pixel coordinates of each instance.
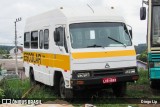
(14, 88)
(143, 77)
(140, 48)
(0, 68)
(143, 56)
(42, 91)
(1, 93)
(3, 51)
(6, 56)
(141, 89)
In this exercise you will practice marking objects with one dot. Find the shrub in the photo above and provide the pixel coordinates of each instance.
(14, 88)
(1, 93)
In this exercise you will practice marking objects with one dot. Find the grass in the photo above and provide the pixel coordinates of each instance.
(143, 78)
(14, 88)
(135, 90)
(42, 91)
(117, 105)
(140, 89)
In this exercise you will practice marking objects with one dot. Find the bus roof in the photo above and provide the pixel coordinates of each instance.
(86, 11)
(74, 15)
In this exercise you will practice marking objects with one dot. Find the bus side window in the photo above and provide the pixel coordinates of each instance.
(46, 39)
(27, 40)
(41, 39)
(34, 39)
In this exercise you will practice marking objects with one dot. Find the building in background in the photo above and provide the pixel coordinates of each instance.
(19, 52)
(141, 65)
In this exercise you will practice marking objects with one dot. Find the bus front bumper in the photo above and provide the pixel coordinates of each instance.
(100, 80)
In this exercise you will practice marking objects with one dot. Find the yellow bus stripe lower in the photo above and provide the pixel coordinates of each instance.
(49, 60)
(86, 55)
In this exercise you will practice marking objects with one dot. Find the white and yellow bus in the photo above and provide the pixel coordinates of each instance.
(79, 48)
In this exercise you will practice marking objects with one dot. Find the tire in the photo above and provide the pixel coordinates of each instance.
(31, 78)
(154, 84)
(64, 92)
(119, 89)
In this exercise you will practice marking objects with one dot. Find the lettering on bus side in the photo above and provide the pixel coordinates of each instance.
(38, 58)
(32, 58)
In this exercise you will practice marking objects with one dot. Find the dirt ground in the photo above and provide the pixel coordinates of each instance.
(149, 105)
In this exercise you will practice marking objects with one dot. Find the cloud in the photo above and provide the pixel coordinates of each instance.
(129, 9)
(12, 9)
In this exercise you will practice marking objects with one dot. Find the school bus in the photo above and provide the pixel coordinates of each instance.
(80, 49)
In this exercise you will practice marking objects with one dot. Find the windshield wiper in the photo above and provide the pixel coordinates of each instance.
(94, 46)
(117, 41)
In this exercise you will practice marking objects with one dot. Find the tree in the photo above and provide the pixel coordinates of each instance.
(143, 56)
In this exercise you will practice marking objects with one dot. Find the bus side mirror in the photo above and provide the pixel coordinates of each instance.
(143, 13)
(130, 31)
(56, 36)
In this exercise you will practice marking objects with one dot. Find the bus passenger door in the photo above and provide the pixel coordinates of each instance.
(61, 44)
(61, 48)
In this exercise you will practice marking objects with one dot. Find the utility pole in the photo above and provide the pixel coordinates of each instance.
(16, 49)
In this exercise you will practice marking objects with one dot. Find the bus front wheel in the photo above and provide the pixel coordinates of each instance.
(64, 92)
(119, 89)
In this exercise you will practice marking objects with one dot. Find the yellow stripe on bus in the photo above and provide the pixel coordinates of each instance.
(63, 61)
(46, 59)
(86, 55)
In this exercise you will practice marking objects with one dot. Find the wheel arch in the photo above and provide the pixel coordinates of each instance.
(56, 77)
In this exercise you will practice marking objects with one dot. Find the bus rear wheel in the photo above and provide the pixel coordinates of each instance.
(154, 84)
(31, 78)
(64, 92)
(119, 89)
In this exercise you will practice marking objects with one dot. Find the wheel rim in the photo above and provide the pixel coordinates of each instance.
(62, 89)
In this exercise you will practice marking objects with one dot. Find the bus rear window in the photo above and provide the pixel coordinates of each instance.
(27, 40)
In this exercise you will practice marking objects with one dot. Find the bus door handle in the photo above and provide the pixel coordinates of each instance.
(61, 49)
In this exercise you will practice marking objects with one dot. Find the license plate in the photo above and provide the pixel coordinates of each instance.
(109, 80)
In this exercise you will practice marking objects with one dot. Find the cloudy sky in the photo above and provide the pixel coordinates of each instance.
(12, 9)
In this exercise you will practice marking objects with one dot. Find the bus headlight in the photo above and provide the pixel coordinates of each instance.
(83, 75)
(130, 71)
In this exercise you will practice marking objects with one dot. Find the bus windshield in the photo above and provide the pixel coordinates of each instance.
(156, 26)
(91, 35)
